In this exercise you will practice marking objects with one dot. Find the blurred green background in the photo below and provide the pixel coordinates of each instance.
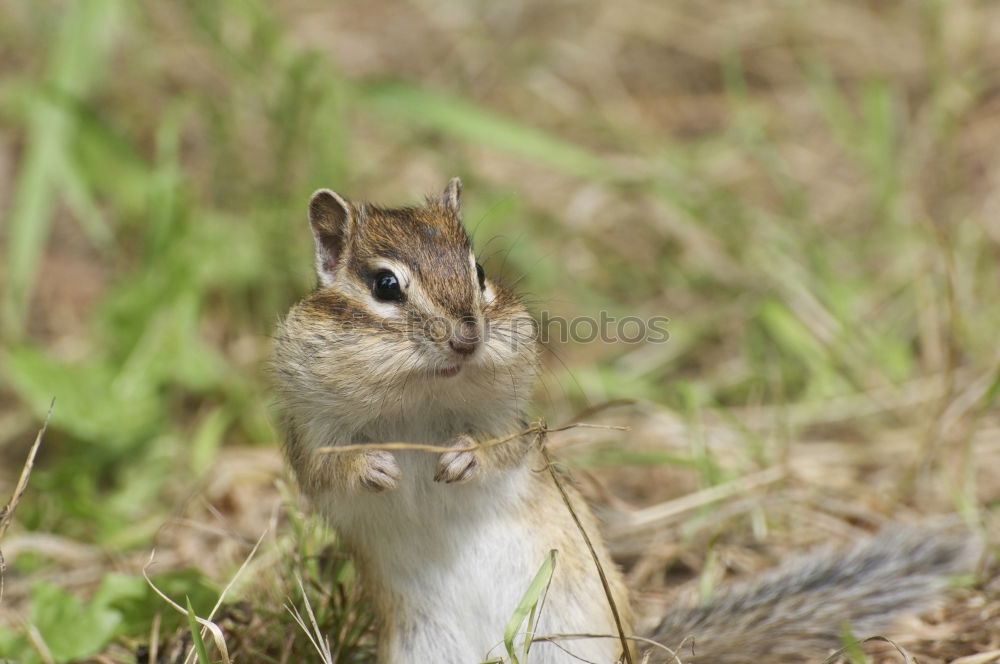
(809, 191)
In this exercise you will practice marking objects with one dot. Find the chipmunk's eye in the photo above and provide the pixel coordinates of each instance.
(481, 273)
(385, 287)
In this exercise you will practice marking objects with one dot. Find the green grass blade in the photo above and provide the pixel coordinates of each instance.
(526, 611)
(852, 647)
(199, 643)
(468, 121)
(78, 56)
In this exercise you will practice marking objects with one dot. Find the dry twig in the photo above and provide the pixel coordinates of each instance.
(537, 428)
(540, 439)
(7, 513)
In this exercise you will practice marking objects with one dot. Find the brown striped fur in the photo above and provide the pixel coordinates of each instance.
(448, 541)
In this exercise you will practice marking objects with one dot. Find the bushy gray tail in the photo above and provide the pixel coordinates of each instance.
(801, 611)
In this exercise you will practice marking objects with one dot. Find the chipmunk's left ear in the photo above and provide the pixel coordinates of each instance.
(452, 195)
(330, 217)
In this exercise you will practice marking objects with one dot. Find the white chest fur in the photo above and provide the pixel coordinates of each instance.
(448, 565)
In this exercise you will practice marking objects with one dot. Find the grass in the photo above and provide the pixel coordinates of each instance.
(807, 192)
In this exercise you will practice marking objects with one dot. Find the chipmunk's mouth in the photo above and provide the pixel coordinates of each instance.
(449, 372)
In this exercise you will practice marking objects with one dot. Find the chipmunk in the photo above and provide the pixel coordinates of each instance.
(407, 340)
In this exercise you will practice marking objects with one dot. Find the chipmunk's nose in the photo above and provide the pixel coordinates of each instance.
(466, 336)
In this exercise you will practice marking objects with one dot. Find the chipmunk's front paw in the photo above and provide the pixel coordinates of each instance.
(458, 466)
(379, 470)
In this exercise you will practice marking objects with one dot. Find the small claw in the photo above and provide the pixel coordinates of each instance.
(380, 471)
(459, 466)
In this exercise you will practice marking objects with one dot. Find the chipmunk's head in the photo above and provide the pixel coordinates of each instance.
(401, 293)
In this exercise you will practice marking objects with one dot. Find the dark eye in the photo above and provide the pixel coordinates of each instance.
(385, 287)
(481, 273)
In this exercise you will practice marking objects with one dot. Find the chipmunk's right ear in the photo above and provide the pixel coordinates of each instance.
(330, 218)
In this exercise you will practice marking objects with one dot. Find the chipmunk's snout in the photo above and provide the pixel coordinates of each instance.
(465, 337)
